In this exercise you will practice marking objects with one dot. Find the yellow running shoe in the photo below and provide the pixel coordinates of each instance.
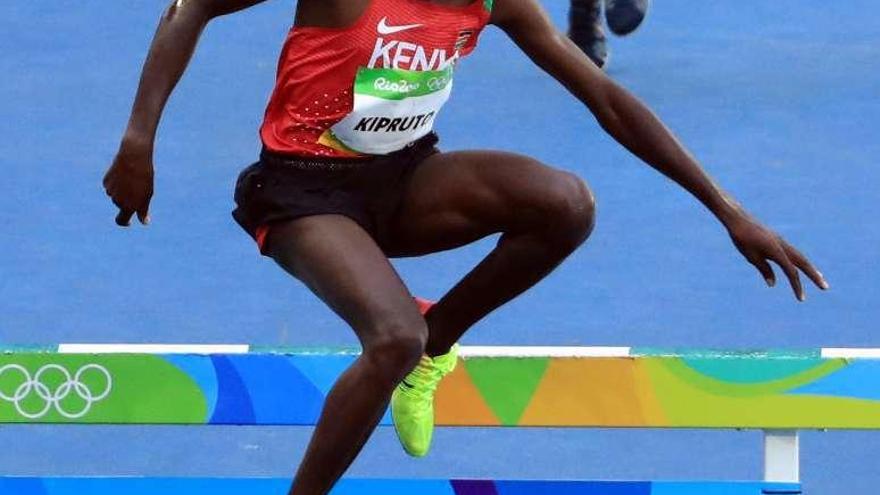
(412, 403)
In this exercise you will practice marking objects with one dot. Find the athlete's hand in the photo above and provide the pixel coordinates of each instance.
(761, 245)
(129, 183)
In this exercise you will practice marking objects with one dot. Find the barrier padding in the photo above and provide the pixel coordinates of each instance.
(653, 389)
(275, 486)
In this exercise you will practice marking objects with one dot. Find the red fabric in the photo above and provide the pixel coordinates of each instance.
(260, 235)
(318, 66)
(424, 305)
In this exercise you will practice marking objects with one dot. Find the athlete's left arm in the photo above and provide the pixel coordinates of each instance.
(632, 124)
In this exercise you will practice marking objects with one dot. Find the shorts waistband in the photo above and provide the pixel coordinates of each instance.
(272, 158)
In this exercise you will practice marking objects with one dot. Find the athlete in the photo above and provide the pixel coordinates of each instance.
(350, 176)
(585, 24)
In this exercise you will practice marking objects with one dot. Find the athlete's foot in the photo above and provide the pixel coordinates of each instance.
(625, 16)
(586, 31)
(412, 403)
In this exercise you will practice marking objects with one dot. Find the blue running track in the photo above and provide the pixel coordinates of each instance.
(779, 99)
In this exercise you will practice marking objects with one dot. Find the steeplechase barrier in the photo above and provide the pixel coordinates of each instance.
(586, 387)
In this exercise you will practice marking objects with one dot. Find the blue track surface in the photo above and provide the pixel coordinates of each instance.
(274, 486)
(779, 100)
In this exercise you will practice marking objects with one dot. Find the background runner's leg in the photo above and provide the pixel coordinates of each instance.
(341, 263)
(456, 198)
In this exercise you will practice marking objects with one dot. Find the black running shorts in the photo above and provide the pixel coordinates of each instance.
(280, 188)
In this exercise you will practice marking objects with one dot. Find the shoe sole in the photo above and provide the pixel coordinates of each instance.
(400, 440)
(627, 32)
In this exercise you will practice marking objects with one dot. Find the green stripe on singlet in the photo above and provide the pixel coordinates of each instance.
(488, 4)
(399, 84)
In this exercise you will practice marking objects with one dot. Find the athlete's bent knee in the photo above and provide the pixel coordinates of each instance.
(571, 209)
(397, 348)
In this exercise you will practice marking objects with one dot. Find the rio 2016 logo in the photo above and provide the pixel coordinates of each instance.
(34, 396)
(402, 86)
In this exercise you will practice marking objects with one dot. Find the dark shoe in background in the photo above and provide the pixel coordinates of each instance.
(586, 31)
(625, 16)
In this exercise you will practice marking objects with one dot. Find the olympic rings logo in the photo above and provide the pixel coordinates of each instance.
(68, 386)
(438, 83)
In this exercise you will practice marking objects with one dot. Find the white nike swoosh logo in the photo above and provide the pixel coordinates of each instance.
(384, 28)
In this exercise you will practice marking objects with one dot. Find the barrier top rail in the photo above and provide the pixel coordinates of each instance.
(492, 386)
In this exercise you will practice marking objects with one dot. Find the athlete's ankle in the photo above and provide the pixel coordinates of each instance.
(437, 345)
(439, 350)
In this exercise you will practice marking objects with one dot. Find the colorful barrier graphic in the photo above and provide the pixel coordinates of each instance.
(760, 390)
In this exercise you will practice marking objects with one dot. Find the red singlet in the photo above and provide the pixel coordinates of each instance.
(372, 87)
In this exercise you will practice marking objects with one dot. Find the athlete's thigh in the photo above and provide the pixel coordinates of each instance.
(459, 197)
(342, 265)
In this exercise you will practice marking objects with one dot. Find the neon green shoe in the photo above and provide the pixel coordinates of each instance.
(412, 403)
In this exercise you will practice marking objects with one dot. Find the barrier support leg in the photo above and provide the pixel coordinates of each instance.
(781, 456)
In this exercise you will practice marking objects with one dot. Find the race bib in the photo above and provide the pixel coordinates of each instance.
(392, 108)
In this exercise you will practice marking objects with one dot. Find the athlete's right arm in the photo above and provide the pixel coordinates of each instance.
(129, 181)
